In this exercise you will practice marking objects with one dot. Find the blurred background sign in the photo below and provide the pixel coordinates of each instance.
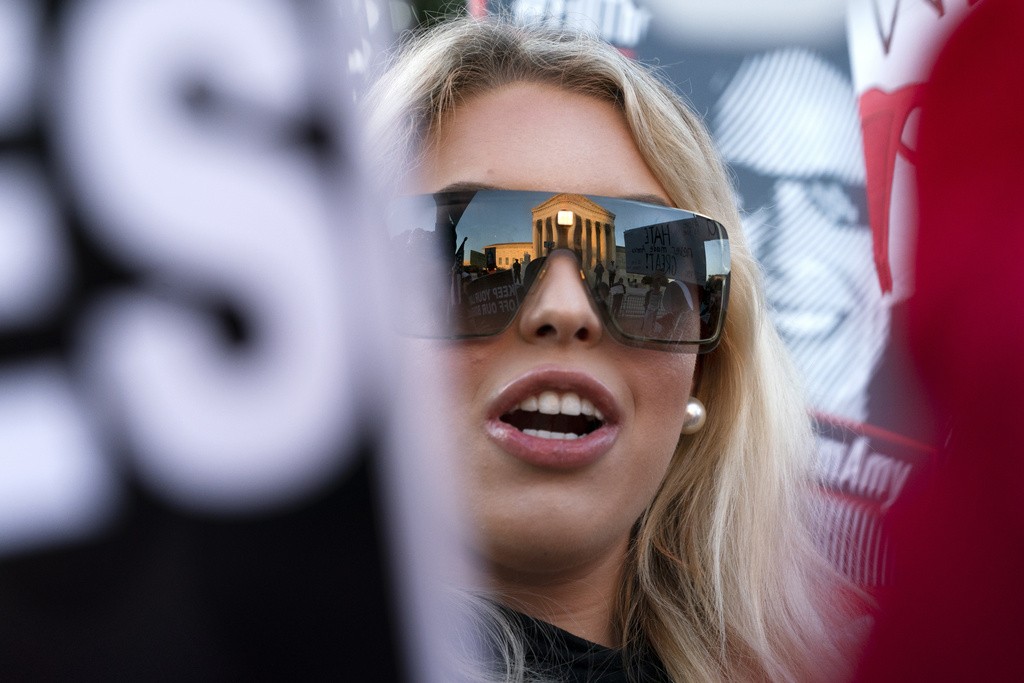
(197, 477)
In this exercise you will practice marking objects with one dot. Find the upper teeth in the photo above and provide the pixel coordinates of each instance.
(569, 403)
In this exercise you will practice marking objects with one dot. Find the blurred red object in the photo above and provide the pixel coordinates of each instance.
(956, 606)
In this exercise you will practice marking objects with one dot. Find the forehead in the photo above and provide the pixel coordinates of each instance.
(532, 136)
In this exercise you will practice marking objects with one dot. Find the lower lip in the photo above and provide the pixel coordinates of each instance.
(553, 453)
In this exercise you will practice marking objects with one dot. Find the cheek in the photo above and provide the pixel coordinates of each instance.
(440, 357)
(662, 381)
(432, 379)
(465, 365)
(450, 376)
(661, 386)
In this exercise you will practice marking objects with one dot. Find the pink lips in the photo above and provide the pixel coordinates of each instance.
(554, 453)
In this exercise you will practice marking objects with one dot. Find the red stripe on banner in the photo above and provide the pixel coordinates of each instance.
(883, 118)
(872, 432)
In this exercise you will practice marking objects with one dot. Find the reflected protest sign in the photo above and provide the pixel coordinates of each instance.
(664, 249)
(491, 298)
(667, 249)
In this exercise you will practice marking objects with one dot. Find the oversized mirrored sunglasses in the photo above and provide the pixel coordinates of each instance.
(658, 276)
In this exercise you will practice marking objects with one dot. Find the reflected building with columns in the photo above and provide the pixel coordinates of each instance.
(571, 221)
(506, 253)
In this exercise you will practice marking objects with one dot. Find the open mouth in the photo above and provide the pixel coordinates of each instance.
(554, 415)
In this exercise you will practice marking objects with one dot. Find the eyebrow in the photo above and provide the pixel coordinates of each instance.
(465, 186)
(649, 199)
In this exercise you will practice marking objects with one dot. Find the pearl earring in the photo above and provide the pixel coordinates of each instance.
(695, 416)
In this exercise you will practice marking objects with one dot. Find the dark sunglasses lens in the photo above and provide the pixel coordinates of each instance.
(662, 304)
(659, 275)
(455, 302)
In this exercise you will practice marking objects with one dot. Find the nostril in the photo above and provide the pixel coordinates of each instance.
(583, 334)
(545, 330)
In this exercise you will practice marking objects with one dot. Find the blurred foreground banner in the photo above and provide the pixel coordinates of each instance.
(812, 106)
(197, 474)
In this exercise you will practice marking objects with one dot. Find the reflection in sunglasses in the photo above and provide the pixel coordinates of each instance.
(670, 294)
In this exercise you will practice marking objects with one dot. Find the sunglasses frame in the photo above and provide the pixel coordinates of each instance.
(717, 285)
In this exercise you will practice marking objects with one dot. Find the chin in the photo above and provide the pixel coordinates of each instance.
(549, 542)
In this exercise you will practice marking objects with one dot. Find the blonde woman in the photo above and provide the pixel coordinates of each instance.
(640, 493)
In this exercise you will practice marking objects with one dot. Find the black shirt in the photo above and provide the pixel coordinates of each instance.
(557, 654)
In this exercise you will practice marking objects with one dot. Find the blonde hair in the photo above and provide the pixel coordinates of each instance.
(723, 580)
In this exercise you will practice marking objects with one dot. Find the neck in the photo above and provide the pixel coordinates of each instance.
(580, 600)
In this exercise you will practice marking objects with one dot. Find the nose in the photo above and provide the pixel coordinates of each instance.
(559, 309)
